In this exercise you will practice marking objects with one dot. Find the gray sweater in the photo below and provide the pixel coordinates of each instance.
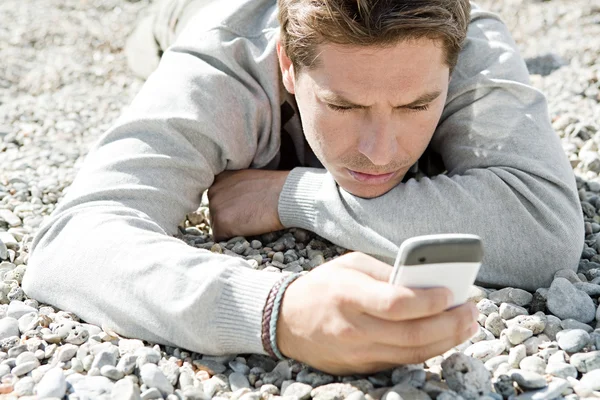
(494, 168)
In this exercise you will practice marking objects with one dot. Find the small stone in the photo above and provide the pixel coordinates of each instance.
(153, 377)
(568, 274)
(553, 326)
(9, 327)
(238, 381)
(125, 389)
(561, 370)
(591, 379)
(299, 390)
(495, 324)
(565, 301)
(528, 380)
(509, 311)
(25, 367)
(533, 364)
(591, 289)
(466, 376)
(52, 384)
(486, 306)
(551, 392)
(586, 362)
(151, 393)
(485, 350)
(573, 324)
(332, 391)
(504, 386)
(573, 340)
(516, 354)
(16, 309)
(24, 386)
(111, 372)
(476, 294)
(517, 334)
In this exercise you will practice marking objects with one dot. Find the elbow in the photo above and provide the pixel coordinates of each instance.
(535, 245)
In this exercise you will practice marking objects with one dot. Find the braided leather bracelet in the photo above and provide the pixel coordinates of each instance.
(266, 320)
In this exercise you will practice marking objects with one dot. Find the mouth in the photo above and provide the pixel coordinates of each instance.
(372, 179)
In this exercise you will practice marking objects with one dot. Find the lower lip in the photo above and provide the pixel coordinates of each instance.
(371, 179)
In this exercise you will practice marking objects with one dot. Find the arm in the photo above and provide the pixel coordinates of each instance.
(508, 178)
(106, 253)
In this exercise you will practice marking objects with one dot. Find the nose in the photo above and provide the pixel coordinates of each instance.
(378, 141)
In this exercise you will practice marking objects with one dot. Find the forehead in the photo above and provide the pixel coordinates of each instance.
(410, 65)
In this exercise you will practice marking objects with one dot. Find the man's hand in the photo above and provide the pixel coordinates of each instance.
(244, 202)
(345, 318)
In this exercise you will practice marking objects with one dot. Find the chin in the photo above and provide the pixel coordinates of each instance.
(367, 192)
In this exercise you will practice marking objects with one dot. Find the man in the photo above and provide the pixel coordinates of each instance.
(252, 100)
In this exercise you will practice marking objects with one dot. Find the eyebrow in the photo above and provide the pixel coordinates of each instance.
(340, 100)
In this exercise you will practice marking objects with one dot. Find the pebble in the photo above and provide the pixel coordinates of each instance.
(533, 364)
(528, 380)
(565, 301)
(153, 377)
(466, 376)
(561, 370)
(517, 334)
(573, 340)
(509, 311)
(551, 392)
(125, 389)
(591, 379)
(585, 362)
(8, 327)
(52, 384)
(299, 390)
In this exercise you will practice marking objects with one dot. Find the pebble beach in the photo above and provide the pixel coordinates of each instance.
(64, 80)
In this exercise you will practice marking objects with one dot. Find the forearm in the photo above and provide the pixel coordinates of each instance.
(112, 266)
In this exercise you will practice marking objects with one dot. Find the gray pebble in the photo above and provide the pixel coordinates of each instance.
(573, 340)
(238, 381)
(466, 376)
(573, 324)
(486, 306)
(509, 311)
(528, 380)
(568, 274)
(553, 326)
(551, 392)
(590, 288)
(152, 376)
(495, 324)
(565, 301)
(585, 362)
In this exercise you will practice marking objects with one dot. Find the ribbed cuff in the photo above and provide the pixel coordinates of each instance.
(239, 310)
(297, 200)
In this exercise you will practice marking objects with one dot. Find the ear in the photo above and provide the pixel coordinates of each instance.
(287, 69)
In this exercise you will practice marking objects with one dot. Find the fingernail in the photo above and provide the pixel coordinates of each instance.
(449, 299)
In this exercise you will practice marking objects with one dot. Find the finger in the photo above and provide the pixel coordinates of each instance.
(419, 332)
(368, 265)
(399, 303)
(383, 353)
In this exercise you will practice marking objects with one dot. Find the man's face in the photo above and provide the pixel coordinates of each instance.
(369, 113)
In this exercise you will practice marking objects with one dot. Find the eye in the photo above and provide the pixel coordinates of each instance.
(338, 108)
(420, 108)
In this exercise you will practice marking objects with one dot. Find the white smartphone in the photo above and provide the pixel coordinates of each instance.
(449, 260)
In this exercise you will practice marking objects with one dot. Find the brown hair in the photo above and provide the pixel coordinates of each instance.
(307, 23)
